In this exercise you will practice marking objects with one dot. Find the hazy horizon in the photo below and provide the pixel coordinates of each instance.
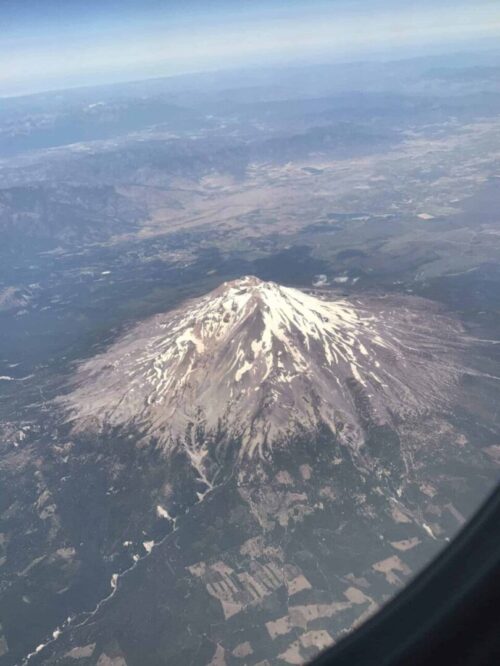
(59, 46)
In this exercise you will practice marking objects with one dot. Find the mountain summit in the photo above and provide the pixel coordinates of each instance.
(257, 362)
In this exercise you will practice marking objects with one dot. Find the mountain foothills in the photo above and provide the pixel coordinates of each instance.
(249, 355)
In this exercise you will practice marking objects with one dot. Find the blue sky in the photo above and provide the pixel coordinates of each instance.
(47, 44)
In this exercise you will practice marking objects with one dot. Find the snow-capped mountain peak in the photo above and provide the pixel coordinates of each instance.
(256, 361)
